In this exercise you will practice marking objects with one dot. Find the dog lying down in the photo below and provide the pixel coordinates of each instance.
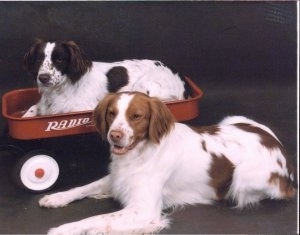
(158, 163)
(69, 82)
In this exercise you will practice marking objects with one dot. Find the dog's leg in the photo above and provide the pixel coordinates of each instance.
(130, 220)
(99, 189)
(142, 214)
(31, 112)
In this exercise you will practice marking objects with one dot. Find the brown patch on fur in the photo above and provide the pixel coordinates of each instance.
(138, 116)
(161, 120)
(221, 172)
(203, 143)
(211, 130)
(105, 113)
(34, 57)
(266, 138)
(279, 163)
(117, 77)
(79, 64)
(286, 185)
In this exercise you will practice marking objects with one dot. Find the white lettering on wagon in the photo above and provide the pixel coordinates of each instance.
(67, 124)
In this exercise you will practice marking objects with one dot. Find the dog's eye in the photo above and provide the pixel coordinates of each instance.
(136, 116)
(58, 61)
(39, 58)
(111, 114)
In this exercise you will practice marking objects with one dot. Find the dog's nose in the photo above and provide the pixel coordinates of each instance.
(115, 135)
(44, 78)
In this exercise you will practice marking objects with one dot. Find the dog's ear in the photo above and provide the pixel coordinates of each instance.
(31, 56)
(79, 64)
(99, 115)
(161, 120)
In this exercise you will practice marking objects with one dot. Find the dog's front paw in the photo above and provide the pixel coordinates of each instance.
(31, 112)
(55, 200)
(55, 231)
(75, 228)
(66, 229)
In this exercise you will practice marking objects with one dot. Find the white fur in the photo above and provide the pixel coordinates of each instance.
(63, 96)
(174, 172)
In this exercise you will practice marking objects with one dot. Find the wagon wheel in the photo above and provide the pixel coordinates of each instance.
(36, 171)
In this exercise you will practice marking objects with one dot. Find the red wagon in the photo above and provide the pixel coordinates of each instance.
(39, 171)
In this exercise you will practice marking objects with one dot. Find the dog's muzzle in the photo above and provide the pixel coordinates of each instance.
(44, 79)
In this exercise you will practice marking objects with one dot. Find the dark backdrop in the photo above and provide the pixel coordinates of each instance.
(242, 54)
(226, 47)
(232, 41)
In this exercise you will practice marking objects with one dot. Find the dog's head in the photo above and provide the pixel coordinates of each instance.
(127, 119)
(52, 64)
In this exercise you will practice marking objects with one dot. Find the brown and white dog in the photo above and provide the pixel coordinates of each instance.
(158, 163)
(69, 82)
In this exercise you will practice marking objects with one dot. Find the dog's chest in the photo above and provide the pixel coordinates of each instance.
(130, 174)
(82, 96)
